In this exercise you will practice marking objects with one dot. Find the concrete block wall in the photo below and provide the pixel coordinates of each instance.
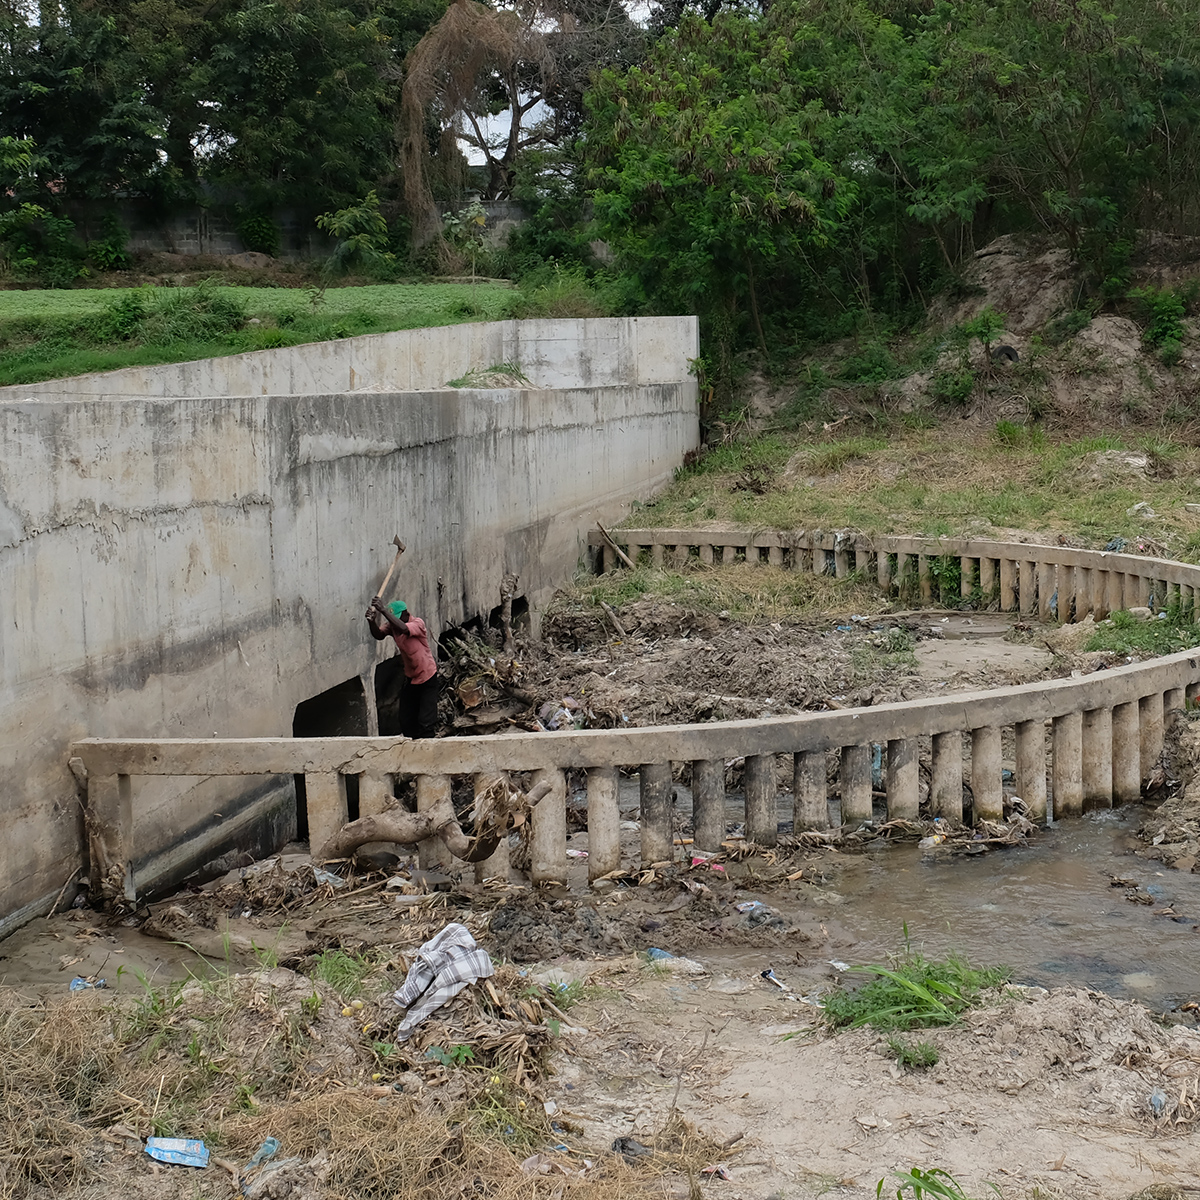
(185, 554)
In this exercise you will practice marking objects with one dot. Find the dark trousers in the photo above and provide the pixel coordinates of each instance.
(418, 708)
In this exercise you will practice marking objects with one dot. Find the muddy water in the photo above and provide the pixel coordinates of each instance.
(1047, 910)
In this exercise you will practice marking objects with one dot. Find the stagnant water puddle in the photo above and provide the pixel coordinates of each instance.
(1048, 910)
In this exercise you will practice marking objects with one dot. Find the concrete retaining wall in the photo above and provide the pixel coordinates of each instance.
(182, 560)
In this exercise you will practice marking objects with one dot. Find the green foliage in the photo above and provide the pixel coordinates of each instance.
(362, 237)
(953, 386)
(108, 252)
(913, 1056)
(555, 291)
(986, 326)
(259, 232)
(931, 1184)
(946, 573)
(201, 313)
(1066, 326)
(912, 993)
(1125, 634)
(457, 1056)
(1163, 310)
(345, 973)
(1012, 436)
(37, 245)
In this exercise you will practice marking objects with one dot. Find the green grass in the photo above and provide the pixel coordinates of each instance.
(931, 1184)
(940, 482)
(345, 973)
(1125, 634)
(912, 993)
(54, 334)
(914, 1056)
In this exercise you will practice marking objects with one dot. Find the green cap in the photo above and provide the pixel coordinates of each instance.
(397, 608)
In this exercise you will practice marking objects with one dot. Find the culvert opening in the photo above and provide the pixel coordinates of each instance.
(339, 712)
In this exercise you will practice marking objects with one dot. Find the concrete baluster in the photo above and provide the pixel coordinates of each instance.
(375, 793)
(1083, 592)
(706, 553)
(1008, 585)
(1174, 703)
(608, 559)
(497, 864)
(1150, 721)
(987, 577)
(1097, 758)
(658, 833)
(967, 568)
(924, 579)
(906, 580)
(1031, 767)
(729, 554)
(656, 555)
(110, 837)
(1134, 591)
(327, 809)
(1066, 594)
(946, 776)
(903, 785)
(1099, 594)
(548, 829)
(810, 801)
(1126, 753)
(986, 785)
(1045, 578)
(433, 791)
(883, 572)
(841, 558)
(1068, 765)
(855, 780)
(708, 804)
(604, 822)
(775, 556)
(1026, 581)
(862, 558)
(762, 823)
(1114, 597)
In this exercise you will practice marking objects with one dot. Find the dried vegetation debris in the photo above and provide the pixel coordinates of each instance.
(1172, 832)
(677, 665)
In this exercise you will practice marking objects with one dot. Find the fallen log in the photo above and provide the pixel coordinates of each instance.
(404, 828)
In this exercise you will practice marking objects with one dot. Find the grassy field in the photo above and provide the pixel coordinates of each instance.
(944, 482)
(51, 334)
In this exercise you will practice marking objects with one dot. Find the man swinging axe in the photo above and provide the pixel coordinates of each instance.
(419, 696)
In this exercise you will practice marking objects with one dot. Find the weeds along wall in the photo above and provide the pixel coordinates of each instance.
(187, 551)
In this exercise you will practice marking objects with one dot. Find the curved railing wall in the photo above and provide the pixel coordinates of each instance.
(1078, 743)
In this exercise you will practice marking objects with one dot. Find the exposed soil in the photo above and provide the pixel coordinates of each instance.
(676, 665)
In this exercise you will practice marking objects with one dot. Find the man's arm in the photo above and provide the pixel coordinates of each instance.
(375, 611)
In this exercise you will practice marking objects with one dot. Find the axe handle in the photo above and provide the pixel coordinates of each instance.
(388, 577)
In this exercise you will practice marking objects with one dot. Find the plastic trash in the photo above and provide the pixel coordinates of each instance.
(716, 1171)
(324, 876)
(877, 766)
(631, 1150)
(179, 1152)
(838, 965)
(1116, 545)
(770, 976)
(749, 906)
(1158, 1102)
(577, 854)
(927, 843)
(268, 1149)
(79, 984)
(654, 954)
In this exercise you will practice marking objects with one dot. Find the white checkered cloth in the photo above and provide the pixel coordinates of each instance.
(445, 964)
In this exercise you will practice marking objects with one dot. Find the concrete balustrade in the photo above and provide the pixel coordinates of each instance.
(1096, 739)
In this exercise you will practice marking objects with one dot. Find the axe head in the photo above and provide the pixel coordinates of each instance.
(398, 543)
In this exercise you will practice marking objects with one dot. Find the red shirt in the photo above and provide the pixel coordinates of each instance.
(414, 650)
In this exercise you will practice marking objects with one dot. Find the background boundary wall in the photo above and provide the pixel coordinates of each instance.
(1077, 744)
(184, 558)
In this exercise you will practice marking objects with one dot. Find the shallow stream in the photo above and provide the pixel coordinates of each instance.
(1048, 910)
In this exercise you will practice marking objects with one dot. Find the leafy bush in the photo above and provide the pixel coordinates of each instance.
(36, 245)
(259, 233)
(953, 386)
(108, 253)
(912, 993)
(362, 237)
(1162, 310)
(121, 319)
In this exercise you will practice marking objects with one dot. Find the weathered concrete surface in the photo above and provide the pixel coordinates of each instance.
(199, 566)
(601, 352)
